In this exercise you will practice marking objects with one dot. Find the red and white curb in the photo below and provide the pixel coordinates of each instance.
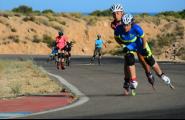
(82, 98)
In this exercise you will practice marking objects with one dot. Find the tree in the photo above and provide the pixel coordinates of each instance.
(23, 9)
(182, 13)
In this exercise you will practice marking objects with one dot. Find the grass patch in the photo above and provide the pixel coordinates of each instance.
(24, 78)
(90, 20)
(181, 53)
(161, 41)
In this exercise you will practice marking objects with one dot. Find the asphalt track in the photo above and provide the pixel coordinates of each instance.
(103, 85)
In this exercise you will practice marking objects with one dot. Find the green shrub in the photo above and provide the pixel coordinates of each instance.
(23, 9)
(41, 21)
(24, 42)
(73, 41)
(181, 51)
(17, 14)
(33, 30)
(62, 22)
(36, 39)
(182, 14)
(179, 14)
(101, 13)
(48, 11)
(13, 30)
(58, 28)
(5, 15)
(48, 40)
(6, 42)
(14, 38)
(29, 18)
(66, 15)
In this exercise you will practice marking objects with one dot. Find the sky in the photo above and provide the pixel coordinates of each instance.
(88, 6)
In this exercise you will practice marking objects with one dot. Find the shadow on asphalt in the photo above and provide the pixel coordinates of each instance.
(114, 95)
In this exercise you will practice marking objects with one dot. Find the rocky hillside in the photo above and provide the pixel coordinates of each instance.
(32, 34)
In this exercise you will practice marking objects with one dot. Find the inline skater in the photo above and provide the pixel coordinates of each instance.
(117, 13)
(68, 47)
(98, 49)
(132, 37)
(61, 41)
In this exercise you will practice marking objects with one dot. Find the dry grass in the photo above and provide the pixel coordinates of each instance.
(24, 78)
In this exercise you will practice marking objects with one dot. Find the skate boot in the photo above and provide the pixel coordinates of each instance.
(58, 64)
(62, 66)
(133, 92)
(167, 80)
(151, 79)
(99, 59)
(92, 60)
(133, 86)
(126, 88)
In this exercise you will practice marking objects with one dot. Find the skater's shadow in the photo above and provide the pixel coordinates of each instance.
(115, 95)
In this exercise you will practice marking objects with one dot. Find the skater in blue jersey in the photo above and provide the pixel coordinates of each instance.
(131, 37)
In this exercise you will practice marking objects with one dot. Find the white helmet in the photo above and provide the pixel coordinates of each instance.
(98, 35)
(127, 19)
(117, 7)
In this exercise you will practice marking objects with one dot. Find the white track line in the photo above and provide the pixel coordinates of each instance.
(81, 100)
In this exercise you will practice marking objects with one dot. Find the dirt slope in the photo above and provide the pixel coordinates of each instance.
(21, 34)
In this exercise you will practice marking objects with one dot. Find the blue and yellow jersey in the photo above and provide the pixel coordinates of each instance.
(99, 43)
(135, 33)
(132, 39)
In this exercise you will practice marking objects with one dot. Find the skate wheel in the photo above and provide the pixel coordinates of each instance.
(133, 93)
(172, 87)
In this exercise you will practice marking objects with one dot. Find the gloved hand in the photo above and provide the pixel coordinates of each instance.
(145, 52)
(125, 50)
